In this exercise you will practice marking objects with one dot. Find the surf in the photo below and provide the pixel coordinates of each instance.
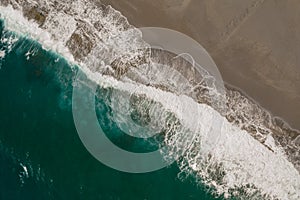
(237, 165)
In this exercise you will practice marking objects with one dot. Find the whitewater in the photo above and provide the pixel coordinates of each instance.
(237, 164)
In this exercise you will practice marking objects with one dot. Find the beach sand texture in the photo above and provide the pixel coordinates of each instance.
(255, 43)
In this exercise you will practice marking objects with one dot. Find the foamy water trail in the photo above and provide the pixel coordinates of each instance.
(237, 165)
(246, 161)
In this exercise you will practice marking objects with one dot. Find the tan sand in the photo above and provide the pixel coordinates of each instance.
(255, 43)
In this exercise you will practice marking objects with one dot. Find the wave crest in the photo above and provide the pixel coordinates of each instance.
(255, 152)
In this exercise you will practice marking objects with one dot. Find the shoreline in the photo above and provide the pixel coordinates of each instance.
(120, 66)
(243, 112)
(243, 93)
(71, 49)
(231, 79)
(258, 70)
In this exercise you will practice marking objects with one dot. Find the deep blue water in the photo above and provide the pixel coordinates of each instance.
(38, 135)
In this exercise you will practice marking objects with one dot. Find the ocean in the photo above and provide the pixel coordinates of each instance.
(41, 155)
(80, 92)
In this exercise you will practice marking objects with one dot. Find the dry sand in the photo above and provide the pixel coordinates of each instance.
(255, 43)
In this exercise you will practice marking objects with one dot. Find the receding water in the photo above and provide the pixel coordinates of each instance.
(41, 155)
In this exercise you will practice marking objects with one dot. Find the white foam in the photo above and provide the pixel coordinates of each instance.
(15, 21)
(2, 54)
(8, 41)
(243, 159)
(60, 25)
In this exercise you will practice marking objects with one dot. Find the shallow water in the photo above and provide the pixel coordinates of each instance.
(41, 155)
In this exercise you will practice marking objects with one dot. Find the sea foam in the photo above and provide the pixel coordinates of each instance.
(238, 164)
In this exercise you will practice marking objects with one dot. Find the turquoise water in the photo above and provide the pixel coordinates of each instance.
(41, 155)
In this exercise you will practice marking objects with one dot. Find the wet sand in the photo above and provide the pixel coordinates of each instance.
(255, 43)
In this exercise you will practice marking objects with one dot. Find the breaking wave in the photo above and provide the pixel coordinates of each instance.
(239, 151)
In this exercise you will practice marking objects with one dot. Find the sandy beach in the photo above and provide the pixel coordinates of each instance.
(84, 94)
(255, 43)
